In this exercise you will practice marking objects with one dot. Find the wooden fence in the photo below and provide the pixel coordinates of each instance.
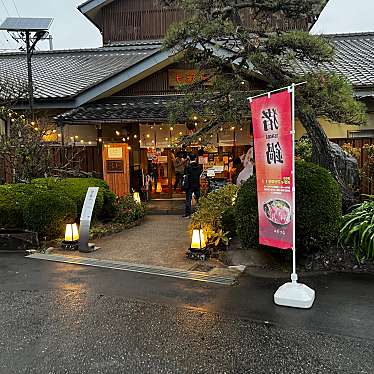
(81, 159)
(362, 155)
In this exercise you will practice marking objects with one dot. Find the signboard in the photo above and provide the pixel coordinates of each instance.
(162, 159)
(178, 77)
(85, 220)
(211, 173)
(114, 166)
(115, 152)
(272, 130)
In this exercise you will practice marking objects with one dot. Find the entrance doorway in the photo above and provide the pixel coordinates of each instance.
(161, 167)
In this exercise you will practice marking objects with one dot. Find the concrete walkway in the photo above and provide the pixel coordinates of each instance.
(161, 240)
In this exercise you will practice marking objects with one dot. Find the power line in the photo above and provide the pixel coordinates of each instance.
(6, 9)
(15, 6)
(7, 12)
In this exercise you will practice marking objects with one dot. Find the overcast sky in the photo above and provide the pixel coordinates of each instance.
(71, 29)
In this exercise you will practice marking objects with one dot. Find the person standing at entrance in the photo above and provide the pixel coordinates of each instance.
(154, 175)
(192, 174)
(179, 166)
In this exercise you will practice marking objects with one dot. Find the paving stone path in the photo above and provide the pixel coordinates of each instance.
(160, 240)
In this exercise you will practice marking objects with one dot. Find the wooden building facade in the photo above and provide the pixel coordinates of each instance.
(121, 93)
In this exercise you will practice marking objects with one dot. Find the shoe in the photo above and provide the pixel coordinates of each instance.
(186, 216)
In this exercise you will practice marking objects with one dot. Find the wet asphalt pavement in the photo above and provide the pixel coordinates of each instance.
(59, 318)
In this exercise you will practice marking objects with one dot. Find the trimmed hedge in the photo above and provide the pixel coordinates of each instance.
(76, 189)
(318, 209)
(16, 202)
(246, 213)
(13, 199)
(47, 213)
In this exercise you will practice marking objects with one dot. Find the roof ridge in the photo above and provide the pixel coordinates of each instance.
(348, 34)
(105, 48)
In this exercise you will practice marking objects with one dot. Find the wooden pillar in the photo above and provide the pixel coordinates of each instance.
(116, 167)
(170, 174)
(99, 150)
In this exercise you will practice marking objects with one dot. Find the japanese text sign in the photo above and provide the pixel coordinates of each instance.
(272, 131)
(179, 77)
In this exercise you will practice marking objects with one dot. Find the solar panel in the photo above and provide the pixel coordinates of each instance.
(23, 24)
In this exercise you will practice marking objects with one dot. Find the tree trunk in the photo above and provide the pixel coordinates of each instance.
(329, 155)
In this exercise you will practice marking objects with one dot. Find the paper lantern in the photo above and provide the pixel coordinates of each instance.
(71, 232)
(137, 197)
(198, 239)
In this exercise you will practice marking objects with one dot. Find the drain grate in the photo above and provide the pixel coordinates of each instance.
(145, 269)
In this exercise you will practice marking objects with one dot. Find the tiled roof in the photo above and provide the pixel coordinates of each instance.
(354, 58)
(122, 109)
(64, 74)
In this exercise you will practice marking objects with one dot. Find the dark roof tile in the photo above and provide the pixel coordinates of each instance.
(354, 58)
(122, 109)
(62, 74)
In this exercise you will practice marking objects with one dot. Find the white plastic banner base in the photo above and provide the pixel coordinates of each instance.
(294, 295)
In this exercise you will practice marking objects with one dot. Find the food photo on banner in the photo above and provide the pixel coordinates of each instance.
(272, 131)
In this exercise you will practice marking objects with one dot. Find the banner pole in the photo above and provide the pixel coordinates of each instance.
(274, 91)
(294, 274)
(294, 294)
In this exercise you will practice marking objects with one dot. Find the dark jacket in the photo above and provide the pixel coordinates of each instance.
(193, 170)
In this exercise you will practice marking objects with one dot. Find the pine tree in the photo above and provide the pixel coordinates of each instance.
(232, 55)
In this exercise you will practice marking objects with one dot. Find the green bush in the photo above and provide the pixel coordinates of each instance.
(318, 209)
(358, 231)
(76, 189)
(303, 149)
(246, 213)
(211, 211)
(47, 213)
(128, 210)
(228, 220)
(13, 199)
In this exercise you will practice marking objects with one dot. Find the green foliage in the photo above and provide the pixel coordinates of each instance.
(128, 210)
(303, 149)
(219, 237)
(357, 231)
(228, 220)
(76, 189)
(261, 57)
(318, 209)
(300, 45)
(13, 199)
(331, 96)
(246, 213)
(47, 213)
(211, 210)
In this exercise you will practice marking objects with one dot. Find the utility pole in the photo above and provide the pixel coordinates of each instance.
(29, 53)
(24, 28)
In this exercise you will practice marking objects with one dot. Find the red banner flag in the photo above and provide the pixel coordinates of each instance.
(272, 130)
